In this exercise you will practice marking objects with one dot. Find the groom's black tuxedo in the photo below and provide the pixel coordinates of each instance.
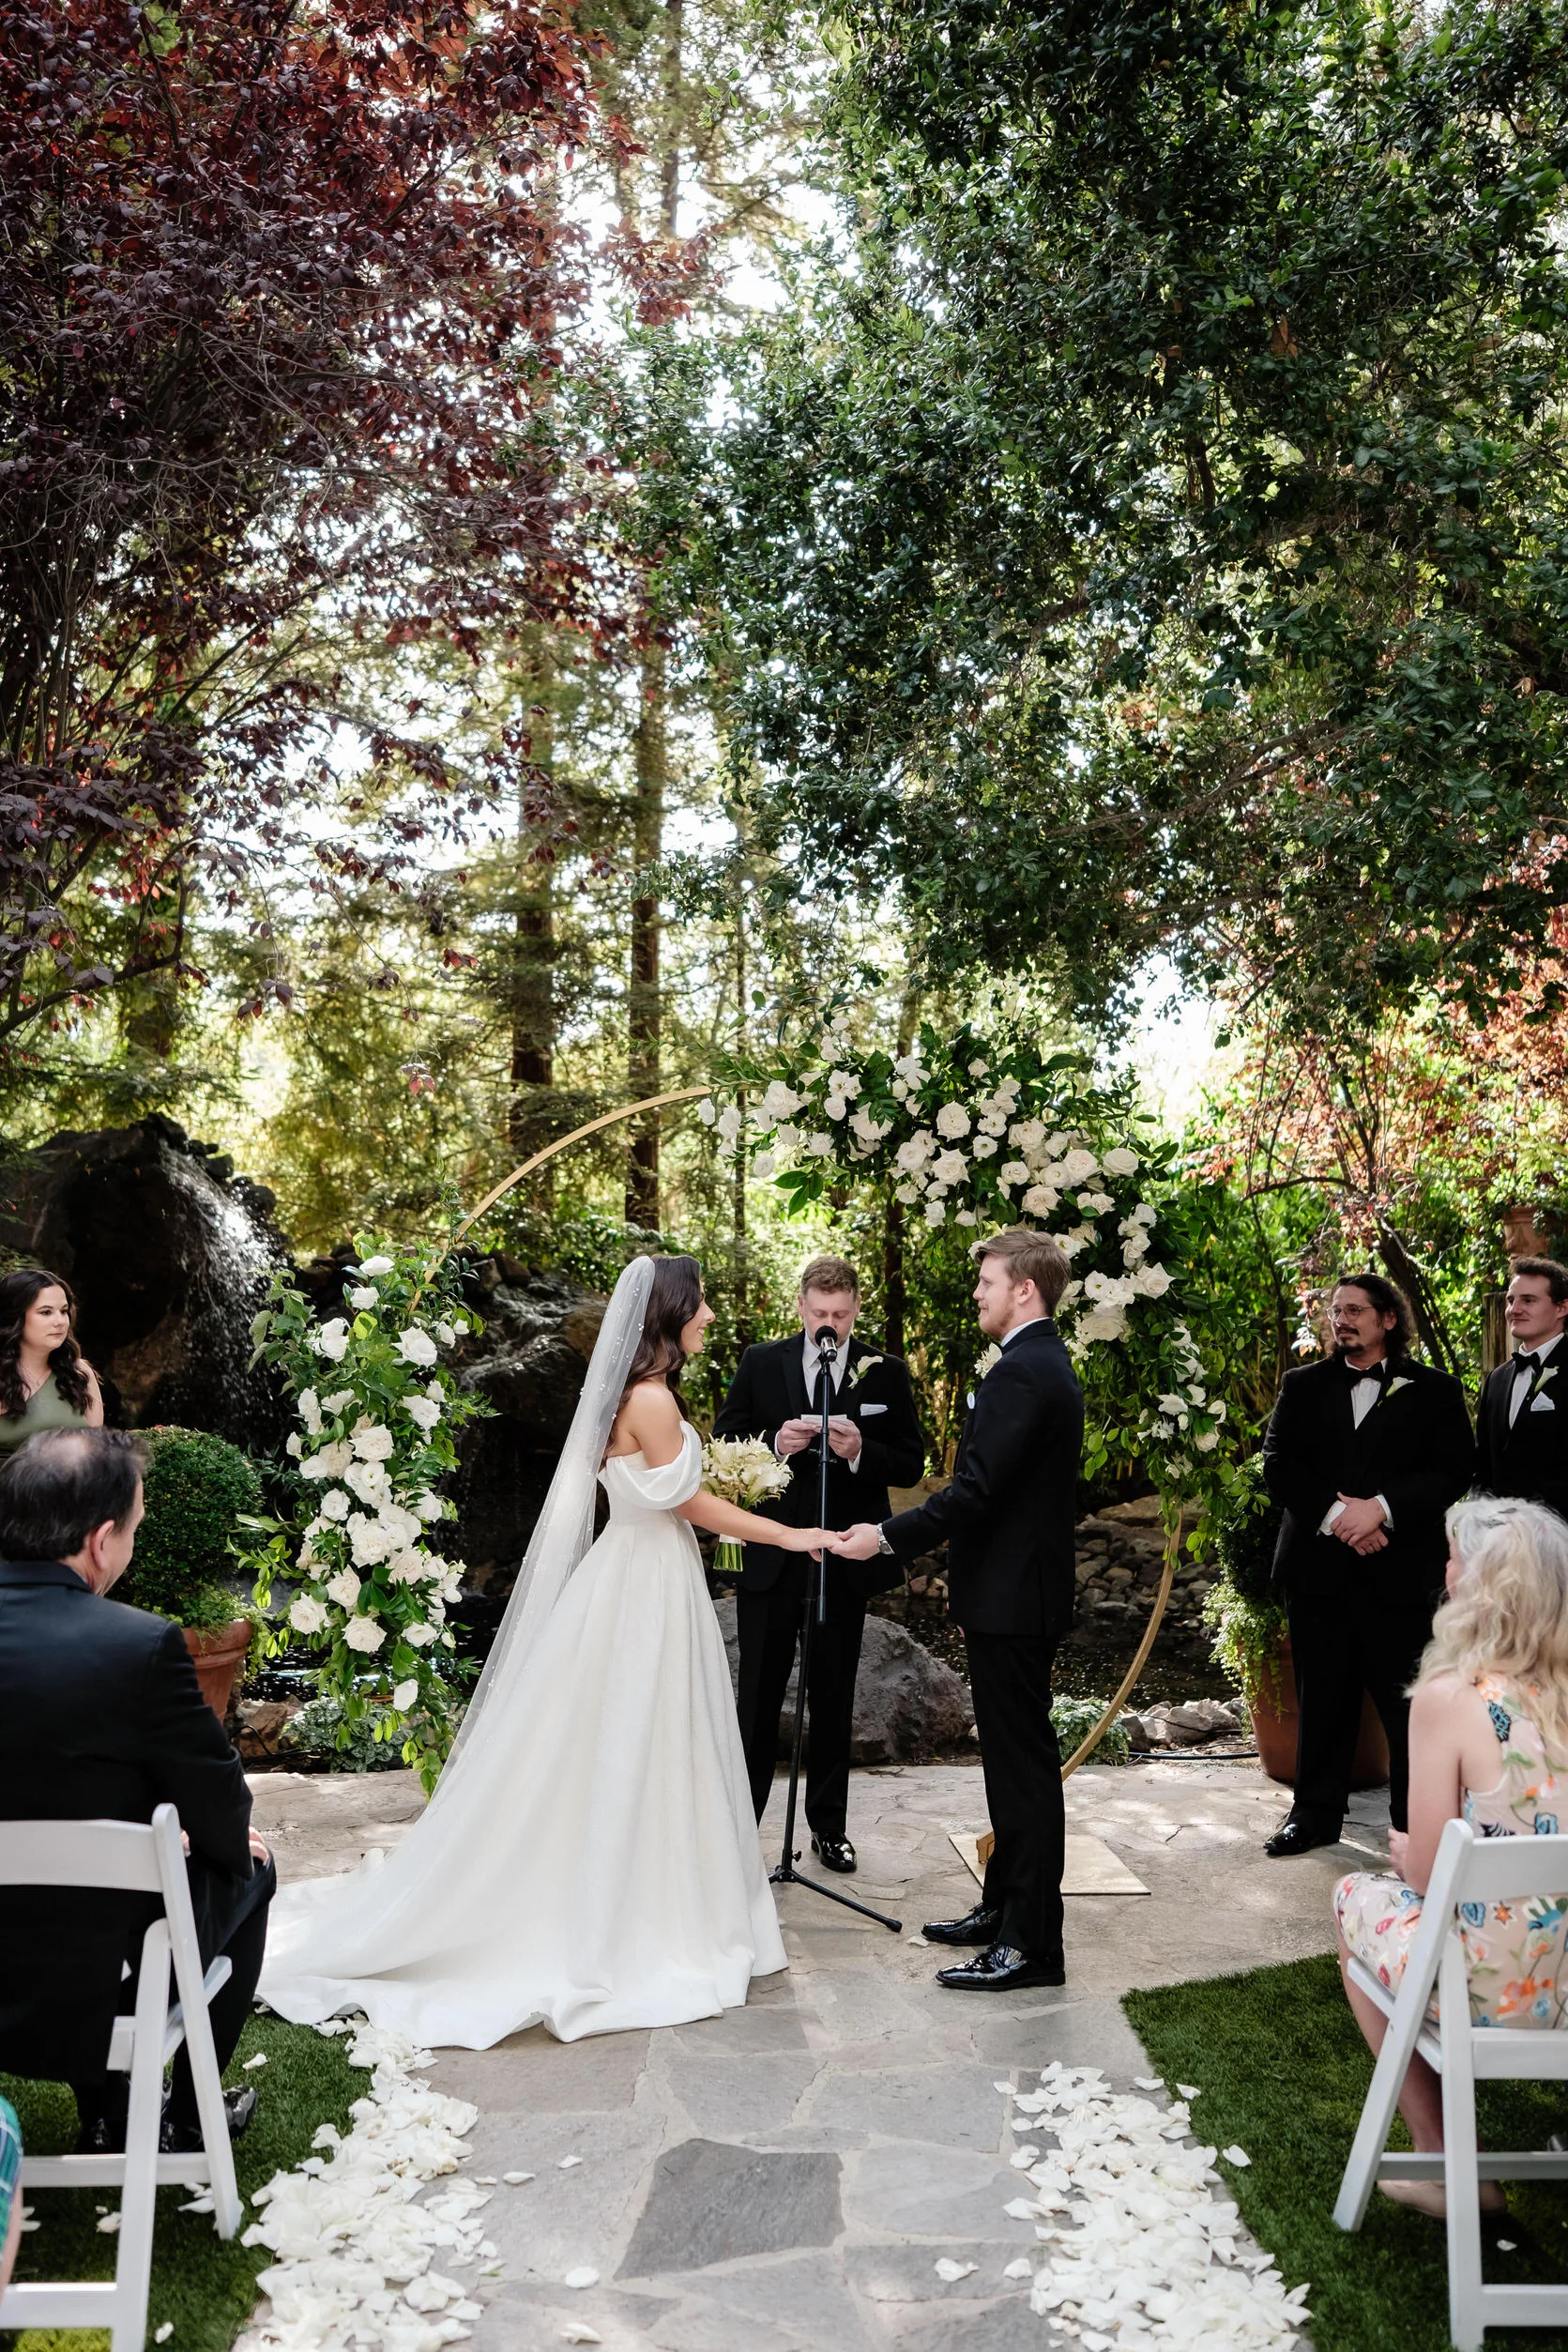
(1531, 1457)
(769, 1389)
(1360, 1622)
(1007, 1519)
(104, 1719)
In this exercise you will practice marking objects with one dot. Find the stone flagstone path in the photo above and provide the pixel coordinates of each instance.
(786, 2177)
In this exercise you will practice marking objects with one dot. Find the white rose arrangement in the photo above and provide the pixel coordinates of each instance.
(744, 1471)
(371, 1448)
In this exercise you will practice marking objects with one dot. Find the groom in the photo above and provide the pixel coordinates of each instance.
(874, 1442)
(1007, 1519)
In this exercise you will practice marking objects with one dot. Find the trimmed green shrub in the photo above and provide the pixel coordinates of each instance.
(1073, 1719)
(1241, 1608)
(196, 1487)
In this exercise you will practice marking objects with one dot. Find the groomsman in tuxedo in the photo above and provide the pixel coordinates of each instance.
(1007, 1519)
(1522, 1426)
(876, 1442)
(1365, 1450)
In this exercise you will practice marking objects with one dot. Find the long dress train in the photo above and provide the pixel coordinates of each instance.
(590, 1861)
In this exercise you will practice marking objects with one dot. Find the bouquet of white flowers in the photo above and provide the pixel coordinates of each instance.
(744, 1471)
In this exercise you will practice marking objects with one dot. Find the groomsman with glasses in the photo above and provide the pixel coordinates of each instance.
(1365, 1451)
(1522, 1426)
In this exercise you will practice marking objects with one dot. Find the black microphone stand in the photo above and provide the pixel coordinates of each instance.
(816, 1611)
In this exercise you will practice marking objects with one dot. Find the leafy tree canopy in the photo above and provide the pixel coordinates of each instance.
(1153, 533)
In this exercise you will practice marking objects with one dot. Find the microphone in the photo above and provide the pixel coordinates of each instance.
(826, 1342)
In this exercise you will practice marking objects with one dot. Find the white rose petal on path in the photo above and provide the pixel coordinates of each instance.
(1022, 2156)
(1020, 2209)
(947, 2270)
(110, 2225)
(1150, 2082)
(1506, 2246)
(1237, 2156)
(1019, 2269)
(583, 2276)
(515, 2180)
(579, 2332)
(567, 2162)
(1189, 2090)
(161, 2335)
(260, 2059)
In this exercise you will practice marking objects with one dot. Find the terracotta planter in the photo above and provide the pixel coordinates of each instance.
(218, 1653)
(1274, 1721)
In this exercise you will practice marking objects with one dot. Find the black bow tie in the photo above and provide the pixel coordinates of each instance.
(1357, 1372)
(1531, 1363)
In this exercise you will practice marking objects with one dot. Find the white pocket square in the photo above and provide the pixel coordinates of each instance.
(867, 1410)
(1543, 1404)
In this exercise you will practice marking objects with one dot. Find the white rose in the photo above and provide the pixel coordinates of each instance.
(843, 1082)
(1136, 1248)
(368, 1539)
(935, 1212)
(900, 1090)
(1096, 1201)
(764, 1165)
(1144, 1214)
(423, 1409)
(328, 1461)
(1027, 1134)
(965, 1217)
(994, 1123)
(820, 1146)
(364, 1297)
(377, 1266)
(334, 1504)
(307, 1615)
(429, 1506)
(409, 1567)
(1171, 1405)
(331, 1340)
(419, 1636)
(294, 1444)
(913, 1152)
(1218, 1409)
(338, 1401)
(344, 1588)
(1120, 1161)
(985, 1146)
(978, 1069)
(788, 1140)
(1056, 1144)
(308, 1405)
(1015, 1171)
(951, 1168)
(1096, 1286)
(707, 1110)
(1152, 1282)
(1040, 1201)
(446, 1335)
(1207, 1439)
(778, 1103)
(952, 1120)
(870, 1131)
(369, 1481)
(405, 1695)
(401, 1524)
(415, 1346)
(373, 1441)
(908, 1194)
(835, 1105)
(364, 1633)
(1105, 1323)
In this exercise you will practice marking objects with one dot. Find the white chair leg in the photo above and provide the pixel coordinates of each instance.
(214, 2120)
(1378, 2113)
(1461, 2174)
(139, 2197)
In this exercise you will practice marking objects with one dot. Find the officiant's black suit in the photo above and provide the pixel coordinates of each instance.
(104, 1719)
(1360, 1624)
(1007, 1519)
(769, 1389)
(1532, 1457)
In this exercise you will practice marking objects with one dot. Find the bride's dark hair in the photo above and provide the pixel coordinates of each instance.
(672, 1302)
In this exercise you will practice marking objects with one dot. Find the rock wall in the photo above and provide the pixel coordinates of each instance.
(908, 1703)
(169, 1254)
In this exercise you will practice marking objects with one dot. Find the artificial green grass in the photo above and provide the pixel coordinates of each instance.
(1283, 2069)
(205, 2288)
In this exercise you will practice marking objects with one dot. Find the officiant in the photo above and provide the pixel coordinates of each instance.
(876, 1442)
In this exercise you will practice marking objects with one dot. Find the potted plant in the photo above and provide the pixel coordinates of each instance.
(1251, 1640)
(196, 1487)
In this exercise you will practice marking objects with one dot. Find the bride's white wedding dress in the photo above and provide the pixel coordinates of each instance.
(590, 1861)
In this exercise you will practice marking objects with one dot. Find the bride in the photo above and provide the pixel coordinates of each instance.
(589, 1860)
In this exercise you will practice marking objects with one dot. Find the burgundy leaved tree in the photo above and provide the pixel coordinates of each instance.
(282, 289)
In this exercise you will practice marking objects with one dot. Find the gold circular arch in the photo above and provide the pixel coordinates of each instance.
(694, 1094)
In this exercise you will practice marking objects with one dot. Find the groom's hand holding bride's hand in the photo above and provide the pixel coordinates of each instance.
(813, 1539)
(858, 1542)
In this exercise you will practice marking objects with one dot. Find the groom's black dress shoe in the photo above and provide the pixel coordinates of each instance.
(181, 2139)
(1002, 1969)
(1299, 1837)
(834, 1853)
(977, 1925)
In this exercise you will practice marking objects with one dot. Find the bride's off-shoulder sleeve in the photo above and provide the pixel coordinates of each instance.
(677, 1482)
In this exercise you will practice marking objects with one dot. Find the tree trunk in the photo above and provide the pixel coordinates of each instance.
(533, 992)
(651, 747)
(742, 1300)
(1428, 1320)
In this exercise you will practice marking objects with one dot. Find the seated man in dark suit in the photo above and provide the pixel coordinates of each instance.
(105, 1720)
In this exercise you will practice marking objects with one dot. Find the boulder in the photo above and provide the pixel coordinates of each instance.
(169, 1254)
(906, 1702)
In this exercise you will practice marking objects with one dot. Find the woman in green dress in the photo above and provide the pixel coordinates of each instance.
(44, 1381)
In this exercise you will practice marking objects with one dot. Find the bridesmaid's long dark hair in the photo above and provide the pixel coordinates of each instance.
(17, 1291)
(675, 1298)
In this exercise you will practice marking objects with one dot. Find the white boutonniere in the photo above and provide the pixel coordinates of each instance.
(1548, 1372)
(1394, 1386)
(988, 1362)
(858, 1371)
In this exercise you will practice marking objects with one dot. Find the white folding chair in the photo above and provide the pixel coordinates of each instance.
(146, 1859)
(1467, 1869)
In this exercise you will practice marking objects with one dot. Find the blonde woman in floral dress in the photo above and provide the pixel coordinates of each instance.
(1489, 1743)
